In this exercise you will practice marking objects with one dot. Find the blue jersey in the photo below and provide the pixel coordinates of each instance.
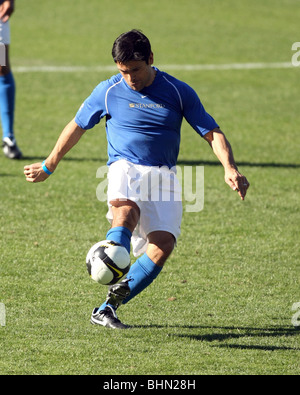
(144, 127)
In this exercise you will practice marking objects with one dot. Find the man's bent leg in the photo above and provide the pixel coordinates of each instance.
(125, 218)
(161, 245)
(145, 270)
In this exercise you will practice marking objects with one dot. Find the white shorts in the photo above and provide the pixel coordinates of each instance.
(156, 191)
(4, 33)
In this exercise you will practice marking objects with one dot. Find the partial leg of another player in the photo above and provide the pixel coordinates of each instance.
(7, 110)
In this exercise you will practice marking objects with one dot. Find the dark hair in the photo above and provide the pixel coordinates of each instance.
(133, 45)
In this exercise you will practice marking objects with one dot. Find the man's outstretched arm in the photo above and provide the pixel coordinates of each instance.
(66, 141)
(222, 149)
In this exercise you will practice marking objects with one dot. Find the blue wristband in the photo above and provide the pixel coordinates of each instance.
(46, 170)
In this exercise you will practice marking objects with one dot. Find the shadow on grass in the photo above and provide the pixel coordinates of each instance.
(181, 162)
(248, 164)
(7, 175)
(219, 335)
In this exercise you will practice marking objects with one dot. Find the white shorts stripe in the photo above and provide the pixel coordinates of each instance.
(4, 33)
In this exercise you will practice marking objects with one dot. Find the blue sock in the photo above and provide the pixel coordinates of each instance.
(7, 104)
(120, 235)
(141, 275)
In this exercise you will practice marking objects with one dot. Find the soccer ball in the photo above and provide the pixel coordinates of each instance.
(107, 262)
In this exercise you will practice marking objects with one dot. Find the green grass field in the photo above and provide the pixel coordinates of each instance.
(223, 303)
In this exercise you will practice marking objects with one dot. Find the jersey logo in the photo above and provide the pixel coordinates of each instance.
(143, 105)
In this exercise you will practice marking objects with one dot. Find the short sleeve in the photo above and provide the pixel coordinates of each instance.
(194, 112)
(93, 108)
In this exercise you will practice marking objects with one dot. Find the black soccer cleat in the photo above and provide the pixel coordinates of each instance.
(107, 318)
(10, 149)
(117, 293)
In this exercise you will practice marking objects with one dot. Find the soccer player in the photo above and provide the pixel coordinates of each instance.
(7, 86)
(144, 108)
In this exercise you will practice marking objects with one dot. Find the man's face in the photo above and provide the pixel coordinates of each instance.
(137, 74)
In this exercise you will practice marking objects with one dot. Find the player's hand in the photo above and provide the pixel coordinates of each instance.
(6, 9)
(237, 182)
(35, 173)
